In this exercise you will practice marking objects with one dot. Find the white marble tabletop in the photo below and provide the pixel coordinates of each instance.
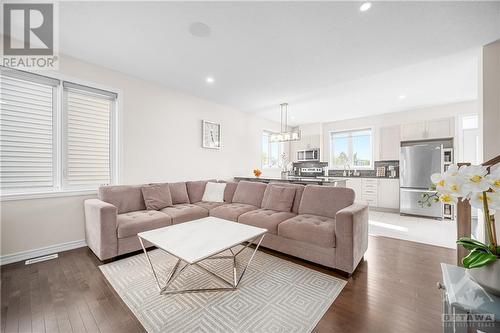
(199, 239)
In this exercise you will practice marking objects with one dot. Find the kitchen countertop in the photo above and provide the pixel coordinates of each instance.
(364, 176)
(295, 179)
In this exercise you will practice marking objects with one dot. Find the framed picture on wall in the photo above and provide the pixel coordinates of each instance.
(211, 135)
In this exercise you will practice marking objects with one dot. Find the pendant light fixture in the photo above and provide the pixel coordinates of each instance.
(285, 135)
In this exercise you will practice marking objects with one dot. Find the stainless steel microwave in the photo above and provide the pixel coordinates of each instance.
(308, 155)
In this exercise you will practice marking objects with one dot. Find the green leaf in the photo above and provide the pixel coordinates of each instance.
(472, 244)
(478, 258)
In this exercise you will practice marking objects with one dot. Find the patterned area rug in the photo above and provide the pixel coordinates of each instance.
(274, 296)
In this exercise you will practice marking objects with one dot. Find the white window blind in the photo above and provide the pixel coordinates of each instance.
(27, 132)
(87, 156)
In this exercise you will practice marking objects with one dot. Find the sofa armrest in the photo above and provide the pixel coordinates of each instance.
(101, 228)
(351, 236)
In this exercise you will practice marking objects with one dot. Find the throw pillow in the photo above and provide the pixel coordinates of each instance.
(179, 193)
(280, 199)
(214, 192)
(156, 196)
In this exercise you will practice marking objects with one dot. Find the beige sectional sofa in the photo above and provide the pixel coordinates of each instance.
(320, 224)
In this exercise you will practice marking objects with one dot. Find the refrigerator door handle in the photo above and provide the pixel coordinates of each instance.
(417, 190)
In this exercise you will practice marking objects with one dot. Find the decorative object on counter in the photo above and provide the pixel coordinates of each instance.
(211, 135)
(482, 188)
(392, 171)
(284, 165)
(284, 160)
(257, 173)
(285, 135)
(380, 171)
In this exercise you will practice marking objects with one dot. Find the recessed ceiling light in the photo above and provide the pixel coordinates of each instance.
(209, 80)
(199, 29)
(365, 6)
(402, 96)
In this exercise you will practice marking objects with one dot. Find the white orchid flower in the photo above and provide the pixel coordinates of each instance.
(448, 198)
(454, 185)
(475, 178)
(477, 201)
(494, 179)
(452, 170)
(438, 179)
(495, 200)
(450, 182)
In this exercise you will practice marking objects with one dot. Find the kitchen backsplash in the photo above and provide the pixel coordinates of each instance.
(371, 173)
(310, 164)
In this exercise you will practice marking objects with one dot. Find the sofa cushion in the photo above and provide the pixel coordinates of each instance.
(131, 223)
(250, 193)
(279, 198)
(214, 192)
(265, 218)
(208, 205)
(179, 193)
(325, 200)
(156, 196)
(126, 198)
(195, 189)
(231, 211)
(229, 191)
(299, 189)
(185, 212)
(314, 229)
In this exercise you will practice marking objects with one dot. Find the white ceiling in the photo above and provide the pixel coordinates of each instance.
(327, 59)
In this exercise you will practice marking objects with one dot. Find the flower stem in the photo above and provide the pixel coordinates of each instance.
(489, 227)
(494, 231)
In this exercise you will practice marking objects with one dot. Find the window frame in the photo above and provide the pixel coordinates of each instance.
(116, 142)
(331, 165)
(281, 149)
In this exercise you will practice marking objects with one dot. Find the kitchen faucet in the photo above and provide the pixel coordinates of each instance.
(346, 166)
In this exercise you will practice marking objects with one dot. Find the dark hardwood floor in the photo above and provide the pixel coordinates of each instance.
(393, 290)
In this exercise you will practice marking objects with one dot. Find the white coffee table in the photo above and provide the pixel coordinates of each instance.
(198, 240)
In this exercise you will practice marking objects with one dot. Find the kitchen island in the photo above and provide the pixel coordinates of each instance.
(326, 181)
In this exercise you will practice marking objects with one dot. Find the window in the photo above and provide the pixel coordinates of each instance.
(352, 149)
(271, 152)
(55, 135)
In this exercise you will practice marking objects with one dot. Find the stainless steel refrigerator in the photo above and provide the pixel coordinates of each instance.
(418, 161)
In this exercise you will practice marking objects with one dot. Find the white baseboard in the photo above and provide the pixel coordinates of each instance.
(24, 255)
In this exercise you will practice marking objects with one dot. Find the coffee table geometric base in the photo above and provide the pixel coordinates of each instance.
(180, 266)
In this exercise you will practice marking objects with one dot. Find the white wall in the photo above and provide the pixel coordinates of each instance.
(490, 85)
(161, 133)
(395, 118)
(490, 100)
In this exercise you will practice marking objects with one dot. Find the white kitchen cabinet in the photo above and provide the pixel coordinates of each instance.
(389, 143)
(377, 192)
(413, 131)
(429, 129)
(355, 184)
(369, 191)
(388, 193)
(441, 128)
